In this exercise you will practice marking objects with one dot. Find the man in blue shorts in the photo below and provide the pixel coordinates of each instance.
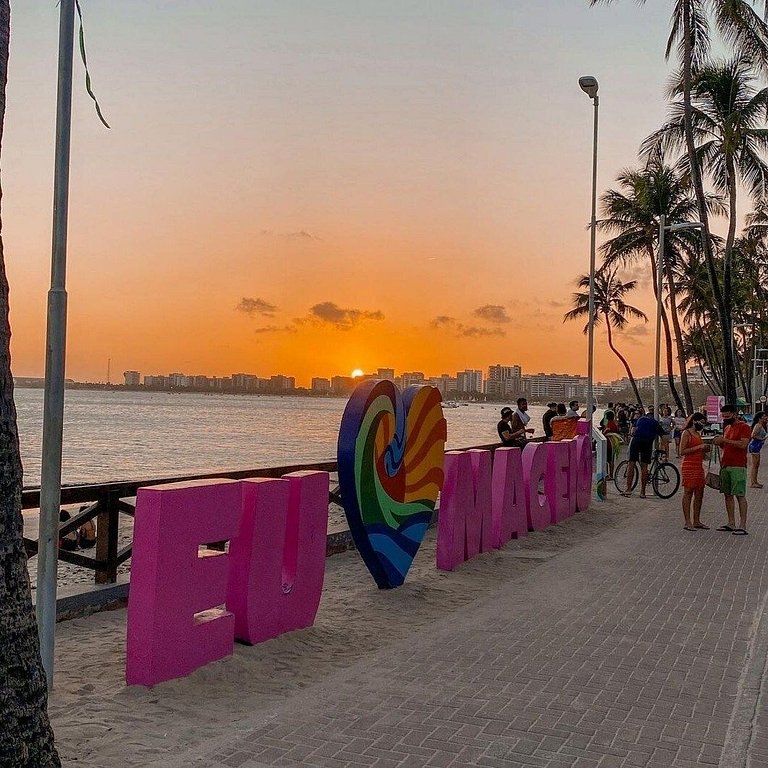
(646, 431)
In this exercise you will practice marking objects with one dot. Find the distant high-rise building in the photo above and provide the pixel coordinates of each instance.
(244, 382)
(386, 373)
(342, 385)
(444, 383)
(132, 378)
(320, 384)
(156, 382)
(412, 378)
(280, 383)
(203, 382)
(469, 381)
(504, 381)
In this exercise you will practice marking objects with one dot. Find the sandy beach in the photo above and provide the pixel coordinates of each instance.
(100, 722)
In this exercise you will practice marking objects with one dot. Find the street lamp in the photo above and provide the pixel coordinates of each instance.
(663, 229)
(589, 85)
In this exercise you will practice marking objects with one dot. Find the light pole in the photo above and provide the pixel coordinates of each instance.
(663, 229)
(53, 404)
(589, 85)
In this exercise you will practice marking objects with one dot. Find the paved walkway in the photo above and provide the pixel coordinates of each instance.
(635, 648)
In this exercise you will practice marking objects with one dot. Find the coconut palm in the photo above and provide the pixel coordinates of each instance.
(740, 26)
(26, 738)
(631, 214)
(728, 115)
(610, 307)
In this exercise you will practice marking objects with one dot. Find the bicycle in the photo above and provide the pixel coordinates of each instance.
(663, 474)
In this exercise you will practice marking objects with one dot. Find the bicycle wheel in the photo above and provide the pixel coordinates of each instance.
(665, 480)
(620, 478)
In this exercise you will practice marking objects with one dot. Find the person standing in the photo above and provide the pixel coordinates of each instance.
(680, 423)
(547, 418)
(646, 430)
(693, 449)
(667, 424)
(759, 433)
(573, 410)
(733, 468)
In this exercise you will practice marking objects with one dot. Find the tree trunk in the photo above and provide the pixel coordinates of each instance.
(623, 361)
(725, 321)
(26, 738)
(665, 326)
(728, 272)
(681, 361)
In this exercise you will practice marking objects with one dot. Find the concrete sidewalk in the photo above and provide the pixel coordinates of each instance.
(642, 646)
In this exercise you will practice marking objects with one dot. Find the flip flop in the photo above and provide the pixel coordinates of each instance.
(688, 528)
(643, 496)
(626, 495)
(739, 532)
(702, 527)
(725, 528)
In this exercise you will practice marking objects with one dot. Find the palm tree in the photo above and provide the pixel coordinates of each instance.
(739, 25)
(631, 214)
(728, 116)
(610, 307)
(26, 739)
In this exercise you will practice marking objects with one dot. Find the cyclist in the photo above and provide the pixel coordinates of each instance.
(647, 429)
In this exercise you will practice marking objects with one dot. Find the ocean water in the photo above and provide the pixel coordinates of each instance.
(122, 435)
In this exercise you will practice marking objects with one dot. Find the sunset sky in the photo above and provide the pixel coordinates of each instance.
(312, 186)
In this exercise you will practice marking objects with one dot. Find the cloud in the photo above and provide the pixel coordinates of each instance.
(636, 332)
(473, 330)
(300, 234)
(330, 313)
(444, 322)
(492, 313)
(256, 307)
(275, 329)
(558, 304)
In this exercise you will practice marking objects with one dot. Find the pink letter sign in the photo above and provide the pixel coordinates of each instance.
(582, 473)
(556, 483)
(464, 527)
(277, 560)
(534, 471)
(176, 619)
(510, 519)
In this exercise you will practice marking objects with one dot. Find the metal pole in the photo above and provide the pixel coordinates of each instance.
(591, 342)
(659, 276)
(53, 409)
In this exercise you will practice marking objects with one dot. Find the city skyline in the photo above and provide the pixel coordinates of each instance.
(364, 184)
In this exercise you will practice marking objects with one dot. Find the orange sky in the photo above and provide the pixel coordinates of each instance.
(385, 166)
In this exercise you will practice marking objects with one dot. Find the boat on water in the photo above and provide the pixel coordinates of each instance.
(449, 404)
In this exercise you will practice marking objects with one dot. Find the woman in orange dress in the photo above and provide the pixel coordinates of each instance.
(693, 449)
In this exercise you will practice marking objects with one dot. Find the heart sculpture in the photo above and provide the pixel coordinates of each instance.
(390, 455)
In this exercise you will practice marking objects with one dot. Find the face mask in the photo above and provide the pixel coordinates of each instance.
(698, 425)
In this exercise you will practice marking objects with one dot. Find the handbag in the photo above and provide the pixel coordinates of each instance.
(713, 475)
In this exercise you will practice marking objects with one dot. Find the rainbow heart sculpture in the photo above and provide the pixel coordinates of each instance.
(390, 454)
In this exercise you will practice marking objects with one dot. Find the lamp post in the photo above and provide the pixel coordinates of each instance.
(53, 404)
(663, 229)
(590, 86)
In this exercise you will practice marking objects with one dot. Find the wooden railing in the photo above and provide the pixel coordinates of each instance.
(105, 502)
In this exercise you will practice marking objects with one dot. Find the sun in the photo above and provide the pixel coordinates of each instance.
(357, 373)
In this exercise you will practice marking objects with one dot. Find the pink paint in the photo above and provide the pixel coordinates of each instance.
(583, 427)
(465, 523)
(573, 476)
(481, 523)
(556, 481)
(277, 560)
(534, 471)
(176, 616)
(582, 474)
(509, 516)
